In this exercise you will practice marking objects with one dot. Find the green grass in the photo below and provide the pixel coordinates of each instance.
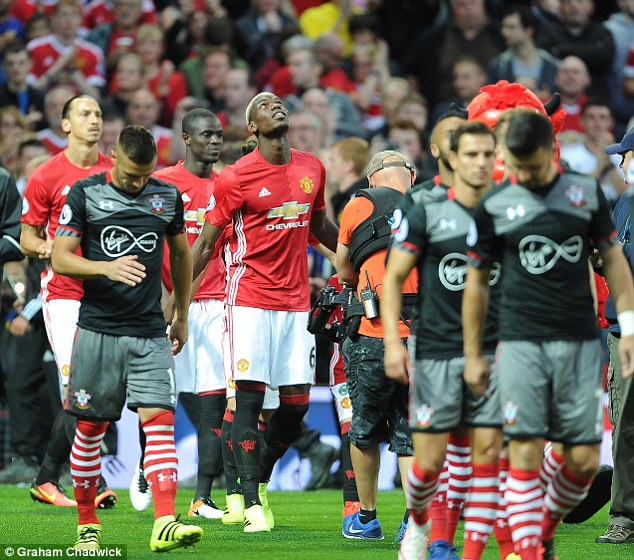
(308, 527)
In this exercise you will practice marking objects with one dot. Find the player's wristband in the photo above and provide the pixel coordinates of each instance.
(626, 322)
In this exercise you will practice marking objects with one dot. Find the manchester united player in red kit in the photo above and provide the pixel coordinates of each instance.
(44, 198)
(199, 368)
(272, 197)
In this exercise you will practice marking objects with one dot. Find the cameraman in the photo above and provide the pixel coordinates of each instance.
(379, 404)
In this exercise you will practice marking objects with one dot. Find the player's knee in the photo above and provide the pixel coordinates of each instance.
(583, 463)
(487, 446)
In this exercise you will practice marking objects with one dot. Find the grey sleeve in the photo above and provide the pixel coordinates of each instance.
(10, 207)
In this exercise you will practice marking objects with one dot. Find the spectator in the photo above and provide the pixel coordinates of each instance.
(305, 131)
(101, 12)
(621, 26)
(588, 154)
(117, 38)
(259, 28)
(159, 74)
(572, 83)
(400, 21)
(406, 137)
(468, 31)
(218, 36)
(13, 125)
(275, 74)
(185, 34)
(30, 147)
(468, 77)
(347, 161)
(24, 10)
(329, 17)
(113, 124)
(522, 59)
(11, 30)
(54, 136)
(305, 72)
(394, 91)
(38, 25)
(577, 35)
(370, 71)
(144, 109)
(414, 108)
(329, 50)
(240, 89)
(217, 63)
(16, 90)
(128, 78)
(63, 58)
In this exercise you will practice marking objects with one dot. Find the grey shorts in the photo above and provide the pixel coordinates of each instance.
(105, 369)
(379, 405)
(552, 390)
(442, 401)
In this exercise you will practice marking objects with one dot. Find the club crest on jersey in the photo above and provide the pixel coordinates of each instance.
(289, 210)
(306, 184)
(156, 202)
(576, 195)
(423, 416)
(82, 399)
(510, 413)
(243, 365)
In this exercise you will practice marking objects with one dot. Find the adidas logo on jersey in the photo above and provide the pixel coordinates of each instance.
(264, 192)
(185, 197)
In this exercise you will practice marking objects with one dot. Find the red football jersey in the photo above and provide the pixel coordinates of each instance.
(163, 138)
(195, 193)
(44, 51)
(270, 207)
(99, 12)
(44, 198)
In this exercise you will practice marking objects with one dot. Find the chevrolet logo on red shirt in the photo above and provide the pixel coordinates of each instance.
(289, 210)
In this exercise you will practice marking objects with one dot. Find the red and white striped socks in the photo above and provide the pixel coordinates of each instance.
(85, 467)
(421, 487)
(501, 528)
(551, 465)
(438, 508)
(160, 463)
(564, 492)
(460, 472)
(481, 510)
(525, 501)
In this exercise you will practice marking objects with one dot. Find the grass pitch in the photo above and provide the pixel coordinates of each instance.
(308, 527)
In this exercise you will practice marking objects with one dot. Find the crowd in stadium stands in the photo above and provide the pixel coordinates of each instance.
(357, 77)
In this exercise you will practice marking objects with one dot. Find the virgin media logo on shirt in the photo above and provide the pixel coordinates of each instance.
(117, 241)
(539, 254)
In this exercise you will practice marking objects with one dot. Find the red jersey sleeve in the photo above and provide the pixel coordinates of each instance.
(36, 205)
(226, 199)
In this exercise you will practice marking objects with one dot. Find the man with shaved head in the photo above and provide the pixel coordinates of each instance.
(379, 405)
